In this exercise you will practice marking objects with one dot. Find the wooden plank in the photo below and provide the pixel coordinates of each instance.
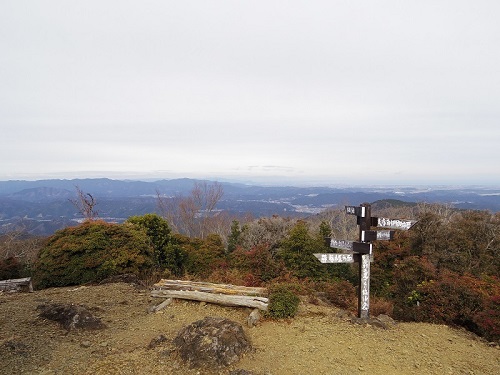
(362, 247)
(355, 256)
(377, 235)
(221, 299)
(209, 287)
(339, 244)
(392, 223)
(16, 284)
(335, 258)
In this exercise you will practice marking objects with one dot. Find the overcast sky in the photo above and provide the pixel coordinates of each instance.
(332, 92)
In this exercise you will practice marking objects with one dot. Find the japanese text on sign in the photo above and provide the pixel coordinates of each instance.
(336, 258)
(394, 223)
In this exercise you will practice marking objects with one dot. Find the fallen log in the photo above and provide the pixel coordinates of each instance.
(15, 285)
(221, 299)
(206, 287)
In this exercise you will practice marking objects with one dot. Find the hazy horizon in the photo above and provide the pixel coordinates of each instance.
(275, 181)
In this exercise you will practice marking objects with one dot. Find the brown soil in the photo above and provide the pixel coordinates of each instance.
(317, 341)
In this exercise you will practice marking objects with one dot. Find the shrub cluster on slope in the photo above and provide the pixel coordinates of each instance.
(444, 270)
(92, 252)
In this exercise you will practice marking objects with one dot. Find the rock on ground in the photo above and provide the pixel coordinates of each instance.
(212, 342)
(70, 316)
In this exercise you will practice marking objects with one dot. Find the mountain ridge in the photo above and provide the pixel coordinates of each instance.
(49, 199)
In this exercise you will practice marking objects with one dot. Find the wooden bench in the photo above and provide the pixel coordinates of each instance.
(222, 294)
(16, 285)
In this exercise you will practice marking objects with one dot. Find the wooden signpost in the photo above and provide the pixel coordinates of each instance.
(361, 251)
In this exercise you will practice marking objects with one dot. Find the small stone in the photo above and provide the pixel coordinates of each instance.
(253, 318)
(158, 340)
(85, 344)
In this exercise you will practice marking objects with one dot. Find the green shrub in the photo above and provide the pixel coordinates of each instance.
(202, 256)
(297, 251)
(92, 252)
(158, 232)
(283, 302)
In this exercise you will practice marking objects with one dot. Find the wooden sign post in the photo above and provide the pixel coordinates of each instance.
(361, 251)
(364, 266)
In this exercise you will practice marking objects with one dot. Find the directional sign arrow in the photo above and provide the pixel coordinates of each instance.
(374, 235)
(339, 258)
(392, 223)
(335, 258)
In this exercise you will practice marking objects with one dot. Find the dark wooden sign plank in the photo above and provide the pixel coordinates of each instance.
(362, 247)
(357, 247)
(377, 235)
(392, 223)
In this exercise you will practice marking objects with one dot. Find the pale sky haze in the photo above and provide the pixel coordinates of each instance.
(330, 92)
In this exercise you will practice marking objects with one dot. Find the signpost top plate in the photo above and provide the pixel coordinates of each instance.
(355, 210)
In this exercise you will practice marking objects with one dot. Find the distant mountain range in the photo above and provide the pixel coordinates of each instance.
(43, 206)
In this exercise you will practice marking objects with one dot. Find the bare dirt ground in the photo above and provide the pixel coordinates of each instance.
(317, 341)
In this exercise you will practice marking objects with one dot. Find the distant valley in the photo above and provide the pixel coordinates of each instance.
(42, 207)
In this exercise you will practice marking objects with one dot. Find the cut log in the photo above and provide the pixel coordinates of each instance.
(14, 285)
(221, 299)
(199, 286)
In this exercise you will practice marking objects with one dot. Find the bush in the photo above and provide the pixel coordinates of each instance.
(158, 232)
(458, 300)
(488, 320)
(202, 257)
(297, 251)
(258, 262)
(283, 302)
(10, 268)
(92, 252)
(380, 305)
(341, 293)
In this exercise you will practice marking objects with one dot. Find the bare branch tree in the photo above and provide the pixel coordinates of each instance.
(195, 214)
(20, 245)
(169, 209)
(85, 203)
